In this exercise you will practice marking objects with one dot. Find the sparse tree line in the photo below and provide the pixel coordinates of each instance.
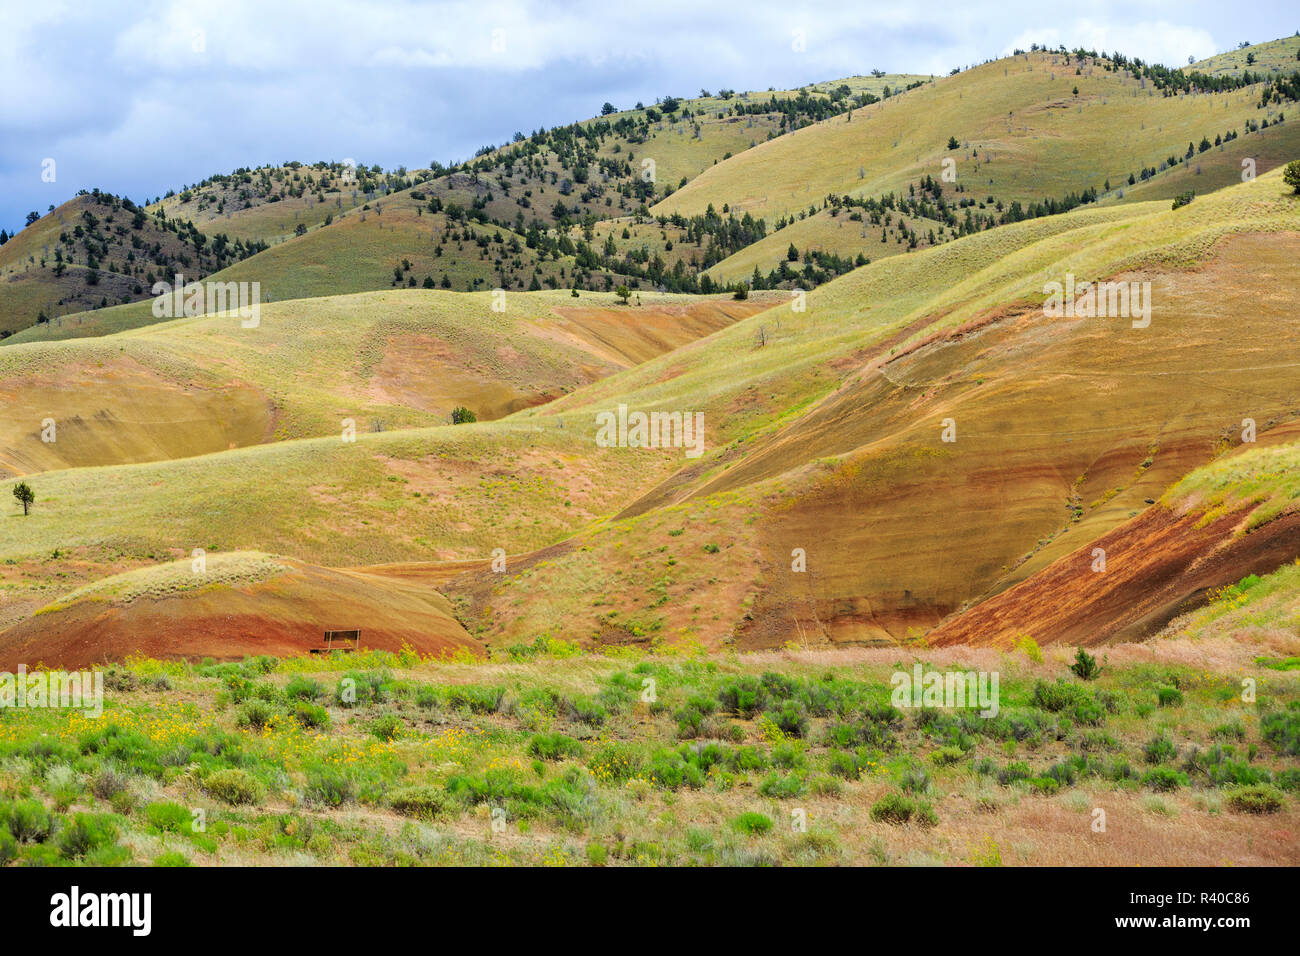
(118, 237)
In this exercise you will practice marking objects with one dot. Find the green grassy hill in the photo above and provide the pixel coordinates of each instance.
(519, 215)
(1275, 56)
(833, 419)
(830, 417)
(98, 250)
(1022, 133)
(846, 174)
(383, 360)
(270, 203)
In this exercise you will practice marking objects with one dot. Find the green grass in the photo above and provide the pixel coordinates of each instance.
(1002, 113)
(563, 757)
(1266, 479)
(385, 360)
(1274, 56)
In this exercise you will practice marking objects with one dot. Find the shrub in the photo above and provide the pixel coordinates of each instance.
(583, 710)
(674, 769)
(86, 832)
(743, 696)
(1230, 731)
(690, 722)
(29, 821)
(791, 719)
(923, 814)
(1016, 770)
(1085, 665)
(615, 764)
(1291, 174)
(1029, 647)
(1257, 798)
(63, 784)
(782, 787)
(1159, 749)
(743, 759)
(1167, 696)
(1045, 785)
(171, 858)
(301, 687)
(946, 756)
(845, 764)
(386, 727)
(826, 786)
(364, 687)
(168, 817)
(420, 800)
(256, 714)
(915, 780)
(477, 700)
(1164, 779)
(554, 746)
(460, 415)
(1289, 779)
(234, 786)
(427, 697)
(1088, 712)
(329, 787)
(8, 846)
(108, 782)
(1281, 731)
(1059, 696)
(311, 716)
(897, 809)
(752, 824)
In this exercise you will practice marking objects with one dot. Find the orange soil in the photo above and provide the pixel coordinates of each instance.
(286, 615)
(1157, 566)
(902, 530)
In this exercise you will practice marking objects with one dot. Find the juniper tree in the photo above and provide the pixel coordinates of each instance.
(1291, 175)
(23, 492)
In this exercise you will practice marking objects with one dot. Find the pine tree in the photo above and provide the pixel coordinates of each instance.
(23, 492)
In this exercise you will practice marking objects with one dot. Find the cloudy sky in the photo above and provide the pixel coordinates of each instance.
(138, 96)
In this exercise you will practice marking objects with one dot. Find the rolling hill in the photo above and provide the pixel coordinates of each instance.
(98, 250)
(382, 360)
(518, 216)
(965, 444)
(827, 418)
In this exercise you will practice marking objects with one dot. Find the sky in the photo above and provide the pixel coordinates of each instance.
(140, 96)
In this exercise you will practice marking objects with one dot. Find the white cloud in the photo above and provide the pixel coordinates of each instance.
(1154, 41)
(404, 81)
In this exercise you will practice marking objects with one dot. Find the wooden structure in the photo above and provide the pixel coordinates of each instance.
(344, 641)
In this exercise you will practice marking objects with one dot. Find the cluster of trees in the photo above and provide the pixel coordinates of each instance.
(1174, 80)
(113, 235)
(818, 267)
(270, 184)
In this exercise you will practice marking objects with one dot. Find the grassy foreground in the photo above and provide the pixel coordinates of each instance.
(545, 755)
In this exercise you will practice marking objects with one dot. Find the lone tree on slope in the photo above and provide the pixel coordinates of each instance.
(23, 492)
(1291, 175)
